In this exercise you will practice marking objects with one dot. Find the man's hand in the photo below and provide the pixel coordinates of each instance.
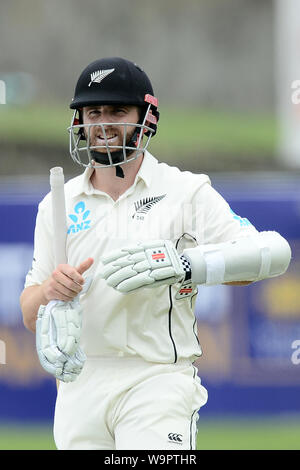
(148, 264)
(65, 282)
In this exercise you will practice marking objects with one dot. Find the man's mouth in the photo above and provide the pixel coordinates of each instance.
(110, 139)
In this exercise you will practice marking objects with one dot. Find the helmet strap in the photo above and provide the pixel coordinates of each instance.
(119, 171)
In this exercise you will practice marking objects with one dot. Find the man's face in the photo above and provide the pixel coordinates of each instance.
(111, 115)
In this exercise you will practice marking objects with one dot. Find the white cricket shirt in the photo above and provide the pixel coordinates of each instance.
(163, 203)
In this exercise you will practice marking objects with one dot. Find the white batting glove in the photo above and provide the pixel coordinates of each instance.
(147, 264)
(58, 329)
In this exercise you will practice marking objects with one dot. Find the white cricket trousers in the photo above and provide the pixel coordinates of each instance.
(129, 404)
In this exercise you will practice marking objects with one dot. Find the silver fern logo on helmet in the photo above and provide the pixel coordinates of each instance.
(99, 75)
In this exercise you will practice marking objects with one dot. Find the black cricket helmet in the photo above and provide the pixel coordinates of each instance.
(112, 81)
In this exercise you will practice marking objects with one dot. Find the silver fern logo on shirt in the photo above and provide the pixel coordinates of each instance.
(143, 206)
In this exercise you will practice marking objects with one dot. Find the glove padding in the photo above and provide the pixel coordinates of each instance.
(58, 329)
(147, 264)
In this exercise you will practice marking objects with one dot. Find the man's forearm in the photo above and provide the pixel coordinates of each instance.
(251, 258)
(31, 299)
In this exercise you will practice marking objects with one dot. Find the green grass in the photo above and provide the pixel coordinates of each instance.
(218, 131)
(180, 130)
(35, 124)
(249, 434)
(13, 437)
(213, 434)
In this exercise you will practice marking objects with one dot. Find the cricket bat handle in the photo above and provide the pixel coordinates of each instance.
(58, 214)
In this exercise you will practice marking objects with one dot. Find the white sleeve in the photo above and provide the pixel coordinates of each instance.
(215, 220)
(43, 253)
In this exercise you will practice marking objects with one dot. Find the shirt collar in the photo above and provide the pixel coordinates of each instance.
(147, 168)
(145, 173)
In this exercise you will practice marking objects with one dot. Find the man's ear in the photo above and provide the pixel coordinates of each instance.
(82, 131)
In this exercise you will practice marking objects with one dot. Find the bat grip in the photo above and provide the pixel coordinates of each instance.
(56, 176)
(58, 214)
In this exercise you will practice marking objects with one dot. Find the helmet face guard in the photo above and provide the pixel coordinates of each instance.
(112, 81)
(107, 155)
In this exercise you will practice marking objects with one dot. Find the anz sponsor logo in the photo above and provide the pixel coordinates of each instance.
(80, 219)
(243, 221)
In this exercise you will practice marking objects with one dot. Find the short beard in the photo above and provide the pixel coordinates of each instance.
(116, 157)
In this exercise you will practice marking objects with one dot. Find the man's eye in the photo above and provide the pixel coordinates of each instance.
(94, 112)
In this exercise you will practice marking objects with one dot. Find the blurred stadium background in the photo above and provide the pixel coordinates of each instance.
(225, 73)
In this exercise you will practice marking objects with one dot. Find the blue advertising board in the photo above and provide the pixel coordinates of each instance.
(250, 336)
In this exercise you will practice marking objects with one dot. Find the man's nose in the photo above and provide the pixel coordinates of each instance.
(103, 126)
(105, 116)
